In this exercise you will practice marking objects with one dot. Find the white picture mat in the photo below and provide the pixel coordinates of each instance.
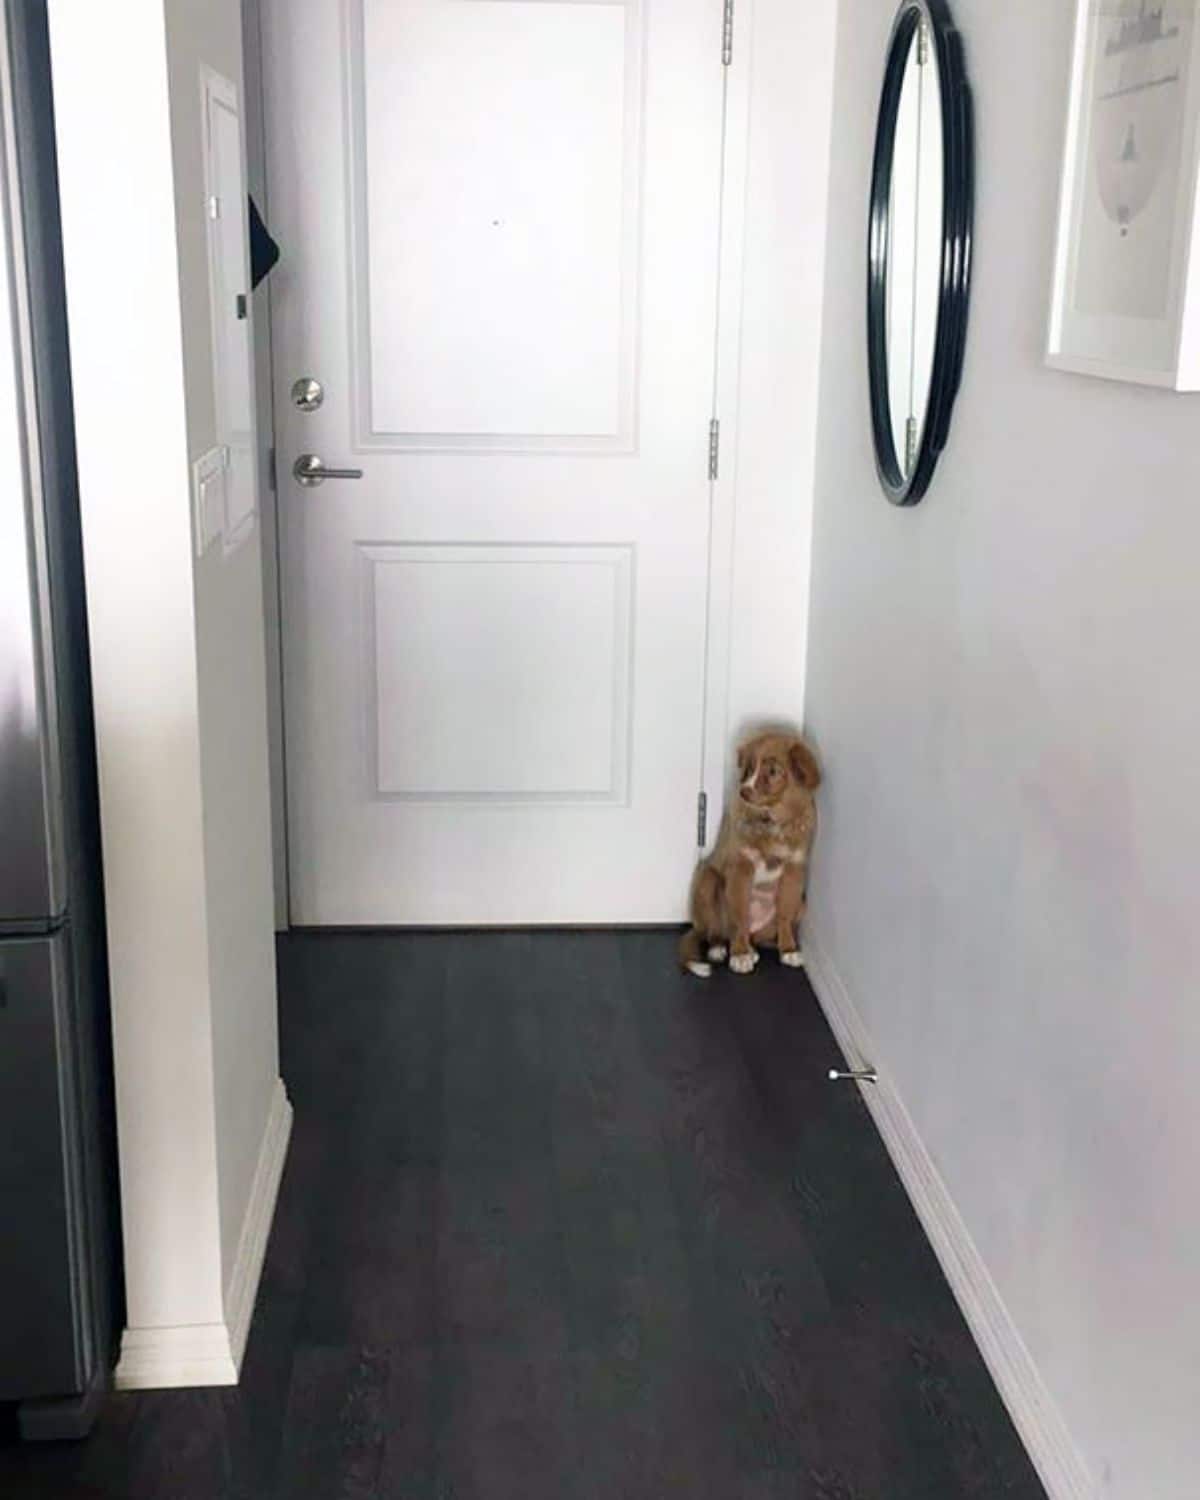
(1146, 268)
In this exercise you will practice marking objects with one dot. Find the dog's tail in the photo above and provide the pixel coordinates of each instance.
(693, 953)
(695, 950)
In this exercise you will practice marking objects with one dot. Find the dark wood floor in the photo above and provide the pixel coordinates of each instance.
(558, 1224)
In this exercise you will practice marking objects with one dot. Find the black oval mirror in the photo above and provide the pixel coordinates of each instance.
(919, 246)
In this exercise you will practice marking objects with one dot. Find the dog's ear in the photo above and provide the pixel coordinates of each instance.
(804, 765)
(745, 758)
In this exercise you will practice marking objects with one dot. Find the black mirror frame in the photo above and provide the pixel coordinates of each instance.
(958, 141)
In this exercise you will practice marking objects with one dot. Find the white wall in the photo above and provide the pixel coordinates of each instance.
(790, 107)
(232, 672)
(1003, 686)
(178, 670)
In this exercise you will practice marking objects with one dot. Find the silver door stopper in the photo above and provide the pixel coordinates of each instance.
(855, 1075)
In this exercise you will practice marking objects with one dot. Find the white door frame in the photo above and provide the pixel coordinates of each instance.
(716, 753)
(264, 387)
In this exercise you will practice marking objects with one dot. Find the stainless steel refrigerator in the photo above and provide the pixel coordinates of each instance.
(59, 1238)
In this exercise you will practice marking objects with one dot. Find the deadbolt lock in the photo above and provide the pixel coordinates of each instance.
(307, 393)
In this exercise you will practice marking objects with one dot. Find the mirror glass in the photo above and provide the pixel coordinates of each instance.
(915, 242)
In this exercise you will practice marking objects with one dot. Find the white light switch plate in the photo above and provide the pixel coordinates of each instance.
(210, 477)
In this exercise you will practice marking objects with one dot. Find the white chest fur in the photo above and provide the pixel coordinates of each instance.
(764, 893)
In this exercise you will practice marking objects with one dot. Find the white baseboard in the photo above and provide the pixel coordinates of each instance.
(198, 1354)
(154, 1359)
(1032, 1408)
(242, 1287)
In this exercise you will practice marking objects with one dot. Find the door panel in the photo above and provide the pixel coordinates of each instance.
(495, 248)
(543, 713)
(499, 221)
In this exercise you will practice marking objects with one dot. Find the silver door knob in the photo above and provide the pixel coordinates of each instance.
(310, 469)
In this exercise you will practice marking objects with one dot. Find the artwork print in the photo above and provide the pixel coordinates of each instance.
(1132, 156)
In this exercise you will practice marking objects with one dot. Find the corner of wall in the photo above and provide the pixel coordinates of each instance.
(167, 1356)
(202, 1117)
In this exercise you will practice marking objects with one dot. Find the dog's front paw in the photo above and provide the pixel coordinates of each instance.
(744, 963)
(793, 959)
(701, 971)
(718, 953)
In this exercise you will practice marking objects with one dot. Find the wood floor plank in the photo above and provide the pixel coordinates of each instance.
(645, 1394)
(336, 1426)
(506, 1426)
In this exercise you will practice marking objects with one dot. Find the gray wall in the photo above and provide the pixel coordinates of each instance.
(1003, 685)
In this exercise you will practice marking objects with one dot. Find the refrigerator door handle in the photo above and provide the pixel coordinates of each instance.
(32, 883)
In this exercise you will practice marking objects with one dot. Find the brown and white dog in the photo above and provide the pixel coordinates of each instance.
(752, 888)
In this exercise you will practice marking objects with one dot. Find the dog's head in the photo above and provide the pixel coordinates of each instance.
(774, 767)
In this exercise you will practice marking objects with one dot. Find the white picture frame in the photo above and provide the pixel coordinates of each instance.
(1125, 302)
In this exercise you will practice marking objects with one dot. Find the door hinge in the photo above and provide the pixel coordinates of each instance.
(714, 448)
(922, 43)
(214, 207)
(702, 820)
(727, 35)
(271, 480)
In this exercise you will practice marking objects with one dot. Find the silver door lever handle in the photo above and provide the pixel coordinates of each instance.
(310, 469)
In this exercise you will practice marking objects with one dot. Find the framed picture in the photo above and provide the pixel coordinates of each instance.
(1126, 298)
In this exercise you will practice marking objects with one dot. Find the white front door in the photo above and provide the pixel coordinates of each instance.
(499, 222)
